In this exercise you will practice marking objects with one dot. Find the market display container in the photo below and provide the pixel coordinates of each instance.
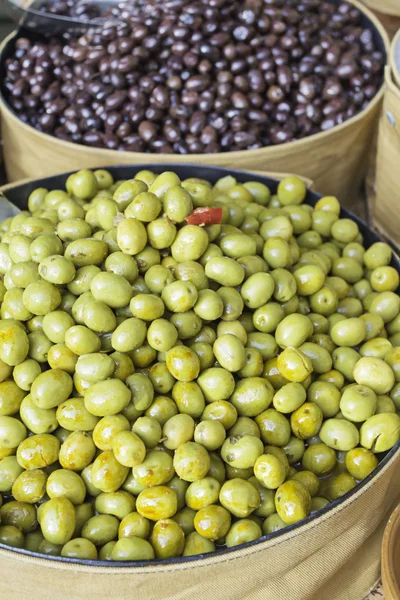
(386, 199)
(336, 160)
(388, 12)
(333, 555)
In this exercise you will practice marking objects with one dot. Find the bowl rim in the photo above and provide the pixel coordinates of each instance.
(394, 57)
(371, 22)
(213, 173)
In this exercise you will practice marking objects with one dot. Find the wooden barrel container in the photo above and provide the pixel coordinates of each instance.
(331, 555)
(336, 160)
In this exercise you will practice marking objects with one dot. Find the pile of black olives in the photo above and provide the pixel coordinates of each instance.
(78, 9)
(194, 77)
(185, 366)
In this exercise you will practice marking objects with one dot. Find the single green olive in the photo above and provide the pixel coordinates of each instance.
(293, 501)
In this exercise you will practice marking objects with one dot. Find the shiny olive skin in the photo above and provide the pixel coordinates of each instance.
(167, 539)
(374, 373)
(241, 451)
(252, 396)
(319, 458)
(358, 403)
(197, 544)
(77, 451)
(11, 536)
(269, 471)
(158, 502)
(57, 520)
(134, 524)
(212, 522)
(274, 427)
(306, 421)
(191, 461)
(293, 502)
(20, 515)
(107, 473)
(339, 434)
(360, 462)
(380, 432)
(63, 483)
(240, 497)
(38, 451)
(100, 529)
(30, 486)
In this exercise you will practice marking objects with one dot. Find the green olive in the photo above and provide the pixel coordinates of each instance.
(63, 483)
(119, 504)
(158, 502)
(167, 539)
(212, 522)
(358, 403)
(252, 396)
(270, 471)
(132, 548)
(241, 451)
(107, 473)
(38, 451)
(375, 374)
(20, 515)
(30, 486)
(11, 536)
(197, 544)
(100, 529)
(274, 427)
(191, 461)
(293, 502)
(57, 520)
(77, 451)
(339, 434)
(294, 365)
(306, 421)
(155, 469)
(107, 397)
(133, 524)
(360, 462)
(380, 432)
(79, 548)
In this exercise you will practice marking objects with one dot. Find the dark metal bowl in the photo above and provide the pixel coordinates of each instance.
(18, 194)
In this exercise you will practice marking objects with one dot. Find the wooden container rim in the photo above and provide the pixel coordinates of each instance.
(391, 585)
(394, 58)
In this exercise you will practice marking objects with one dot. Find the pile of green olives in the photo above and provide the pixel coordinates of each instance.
(185, 366)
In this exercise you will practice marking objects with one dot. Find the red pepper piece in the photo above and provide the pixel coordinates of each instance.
(205, 215)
